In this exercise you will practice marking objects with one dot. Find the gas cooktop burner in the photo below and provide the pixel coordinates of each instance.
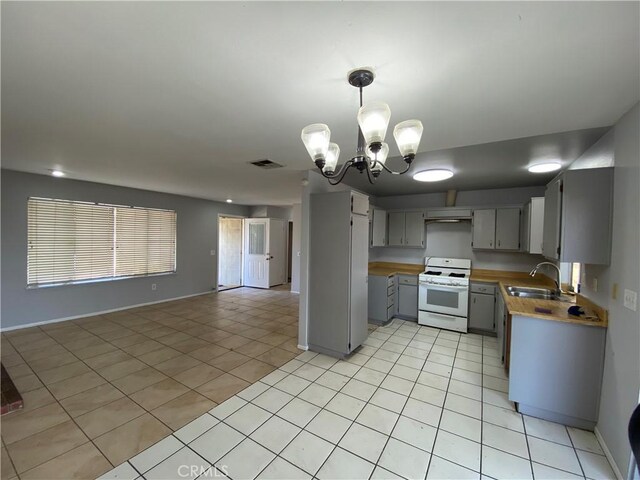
(430, 272)
(457, 275)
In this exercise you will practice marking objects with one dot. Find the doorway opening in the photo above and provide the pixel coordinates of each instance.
(230, 244)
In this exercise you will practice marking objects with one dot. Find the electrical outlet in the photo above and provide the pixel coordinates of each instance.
(213, 253)
(154, 286)
(630, 299)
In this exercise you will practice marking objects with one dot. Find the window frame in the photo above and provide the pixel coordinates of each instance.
(114, 207)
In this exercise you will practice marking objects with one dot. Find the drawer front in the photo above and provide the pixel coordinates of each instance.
(391, 290)
(391, 300)
(390, 312)
(391, 281)
(407, 280)
(483, 288)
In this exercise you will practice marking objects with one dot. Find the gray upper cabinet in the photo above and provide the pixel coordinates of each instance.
(406, 229)
(533, 225)
(396, 229)
(414, 229)
(378, 228)
(484, 228)
(496, 228)
(577, 216)
(508, 228)
(552, 212)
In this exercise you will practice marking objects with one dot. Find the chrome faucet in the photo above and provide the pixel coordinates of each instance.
(558, 282)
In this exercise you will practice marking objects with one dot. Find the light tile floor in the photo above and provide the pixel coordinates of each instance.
(99, 390)
(413, 402)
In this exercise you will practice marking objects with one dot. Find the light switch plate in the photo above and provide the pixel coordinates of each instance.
(630, 299)
(213, 253)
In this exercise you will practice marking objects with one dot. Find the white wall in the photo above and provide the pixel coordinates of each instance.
(621, 378)
(454, 239)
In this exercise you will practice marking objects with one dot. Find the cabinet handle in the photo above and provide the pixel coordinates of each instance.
(498, 242)
(491, 244)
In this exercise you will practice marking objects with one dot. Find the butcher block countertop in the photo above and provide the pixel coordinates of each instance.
(526, 306)
(386, 269)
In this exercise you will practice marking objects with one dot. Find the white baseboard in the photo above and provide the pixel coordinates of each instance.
(303, 347)
(102, 312)
(607, 453)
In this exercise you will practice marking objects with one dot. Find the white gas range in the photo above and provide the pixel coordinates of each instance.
(443, 293)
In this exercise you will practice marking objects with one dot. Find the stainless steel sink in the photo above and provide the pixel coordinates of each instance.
(536, 293)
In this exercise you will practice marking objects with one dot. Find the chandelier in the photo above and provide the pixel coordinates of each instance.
(372, 151)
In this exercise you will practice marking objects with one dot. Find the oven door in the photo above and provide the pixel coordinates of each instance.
(447, 299)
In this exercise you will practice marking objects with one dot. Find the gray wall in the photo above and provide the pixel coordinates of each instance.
(296, 217)
(196, 237)
(454, 239)
(268, 211)
(621, 379)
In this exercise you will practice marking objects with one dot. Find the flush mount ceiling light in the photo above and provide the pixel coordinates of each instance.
(371, 153)
(545, 167)
(57, 173)
(435, 175)
(229, 200)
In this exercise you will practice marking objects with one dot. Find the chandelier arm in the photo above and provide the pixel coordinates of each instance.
(396, 173)
(340, 175)
(370, 177)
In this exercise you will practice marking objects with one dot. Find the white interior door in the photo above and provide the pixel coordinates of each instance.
(277, 252)
(256, 258)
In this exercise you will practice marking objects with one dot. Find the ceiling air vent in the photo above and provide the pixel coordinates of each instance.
(266, 164)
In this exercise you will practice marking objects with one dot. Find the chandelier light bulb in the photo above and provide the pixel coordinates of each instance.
(316, 139)
(408, 135)
(373, 119)
(379, 158)
(331, 159)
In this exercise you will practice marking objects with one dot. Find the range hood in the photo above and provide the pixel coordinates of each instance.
(450, 213)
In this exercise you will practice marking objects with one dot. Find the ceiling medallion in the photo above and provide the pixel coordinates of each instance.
(371, 153)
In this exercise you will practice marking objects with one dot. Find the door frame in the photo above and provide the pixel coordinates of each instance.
(217, 271)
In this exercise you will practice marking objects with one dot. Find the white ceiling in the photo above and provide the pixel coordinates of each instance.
(178, 97)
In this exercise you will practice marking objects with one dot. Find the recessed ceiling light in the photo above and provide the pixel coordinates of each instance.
(435, 175)
(57, 173)
(545, 167)
(229, 200)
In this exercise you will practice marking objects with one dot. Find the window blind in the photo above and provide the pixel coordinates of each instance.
(70, 241)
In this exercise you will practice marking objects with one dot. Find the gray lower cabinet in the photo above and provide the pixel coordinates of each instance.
(382, 298)
(408, 296)
(556, 370)
(338, 271)
(482, 302)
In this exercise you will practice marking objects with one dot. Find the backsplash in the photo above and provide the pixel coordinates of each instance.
(454, 240)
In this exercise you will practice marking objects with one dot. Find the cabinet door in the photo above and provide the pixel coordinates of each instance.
(500, 325)
(481, 311)
(358, 322)
(408, 301)
(508, 228)
(395, 237)
(414, 229)
(484, 228)
(552, 212)
(378, 228)
(536, 225)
